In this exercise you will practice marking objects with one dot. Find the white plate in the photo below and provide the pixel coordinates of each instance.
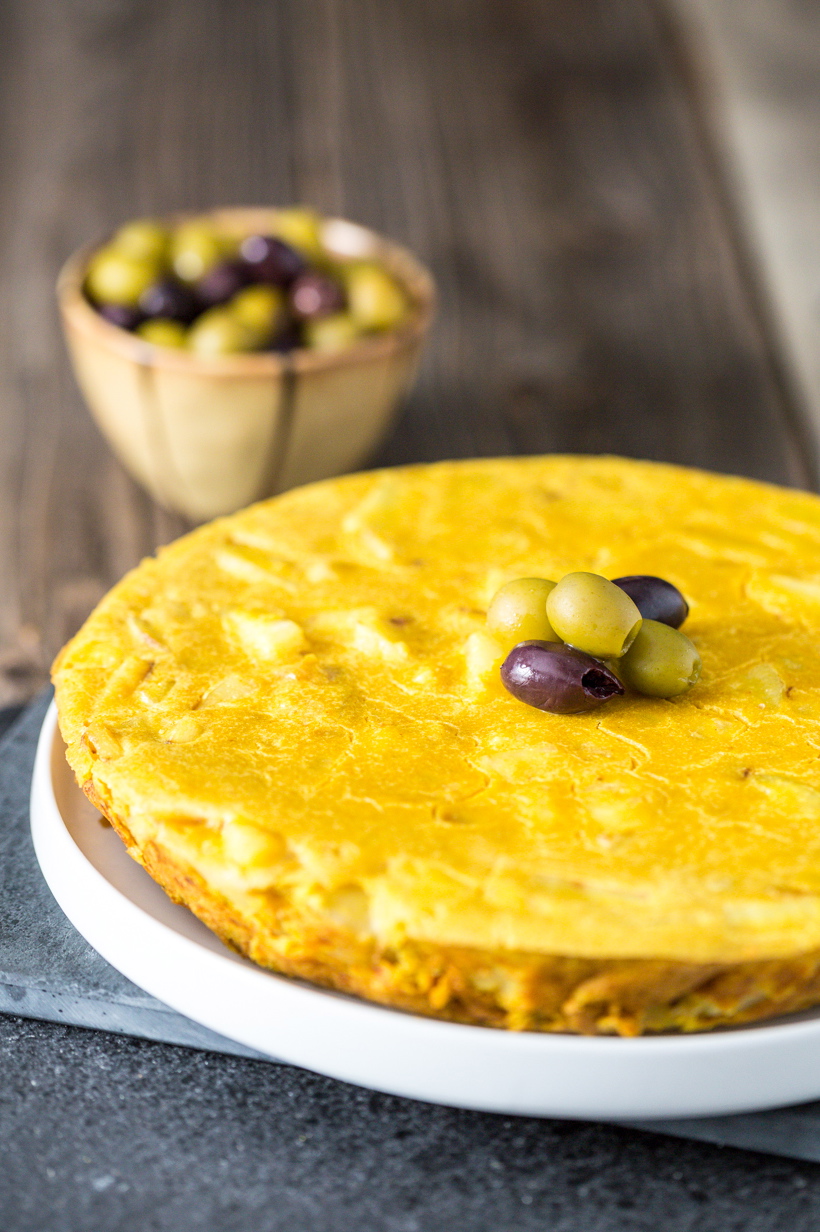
(167, 951)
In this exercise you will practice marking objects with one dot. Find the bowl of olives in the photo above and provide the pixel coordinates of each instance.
(228, 356)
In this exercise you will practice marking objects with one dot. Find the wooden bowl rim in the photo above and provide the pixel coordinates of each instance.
(416, 280)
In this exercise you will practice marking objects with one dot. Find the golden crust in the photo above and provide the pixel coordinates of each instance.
(293, 719)
(513, 990)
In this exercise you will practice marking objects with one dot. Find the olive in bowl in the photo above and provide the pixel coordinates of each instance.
(220, 379)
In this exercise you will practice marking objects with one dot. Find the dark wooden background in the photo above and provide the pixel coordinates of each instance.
(550, 159)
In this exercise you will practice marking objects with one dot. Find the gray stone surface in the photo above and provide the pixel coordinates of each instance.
(100, 1133)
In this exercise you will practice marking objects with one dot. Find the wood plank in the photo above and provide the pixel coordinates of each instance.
(759, 62)
(542, 157)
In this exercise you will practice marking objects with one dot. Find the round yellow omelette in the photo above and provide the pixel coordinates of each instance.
(294, 718)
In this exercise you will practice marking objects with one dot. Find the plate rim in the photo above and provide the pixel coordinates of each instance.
(62, 861)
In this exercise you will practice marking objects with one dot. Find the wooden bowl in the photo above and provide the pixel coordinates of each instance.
(208, 436)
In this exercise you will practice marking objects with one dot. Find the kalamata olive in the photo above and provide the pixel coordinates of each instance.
(120, 315)
(301, 228)
(518, 612)
(289, 338)
(169, 299)
(332, 333)
(195, 247)
(558, 678)
(115, 277)
(259, 308)
(272, 260)
(143, 238)
(661, 662)
(374, 298)
(217, 332)
(594, 615)
(162, 331)
(222, 282)
(315, 295)
(655, 598)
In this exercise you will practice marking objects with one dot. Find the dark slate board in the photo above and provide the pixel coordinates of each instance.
(48, 971)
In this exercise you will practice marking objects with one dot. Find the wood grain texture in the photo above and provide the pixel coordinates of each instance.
(543, 158)
(759, 61)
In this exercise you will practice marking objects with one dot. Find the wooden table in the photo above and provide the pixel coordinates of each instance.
(552, 162)
(760, 63)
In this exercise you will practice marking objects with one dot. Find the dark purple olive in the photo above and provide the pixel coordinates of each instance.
(558, 678)
(121, 316)
(272, 260)
(288, 339)
(222, 282)
(314, 295)
(655, 599)
(170, 300)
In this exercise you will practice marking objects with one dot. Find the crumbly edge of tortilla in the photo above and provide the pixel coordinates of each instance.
(508, 989)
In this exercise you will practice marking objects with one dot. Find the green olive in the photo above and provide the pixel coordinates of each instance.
(332, 333)
(162, 331)
(218, 332)
(116, 277)
(301, 228)
(142, 238)
(259, 309)
(593, 615)
(196, 246)
(661, 661)
(374, 298)
(518, 612)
